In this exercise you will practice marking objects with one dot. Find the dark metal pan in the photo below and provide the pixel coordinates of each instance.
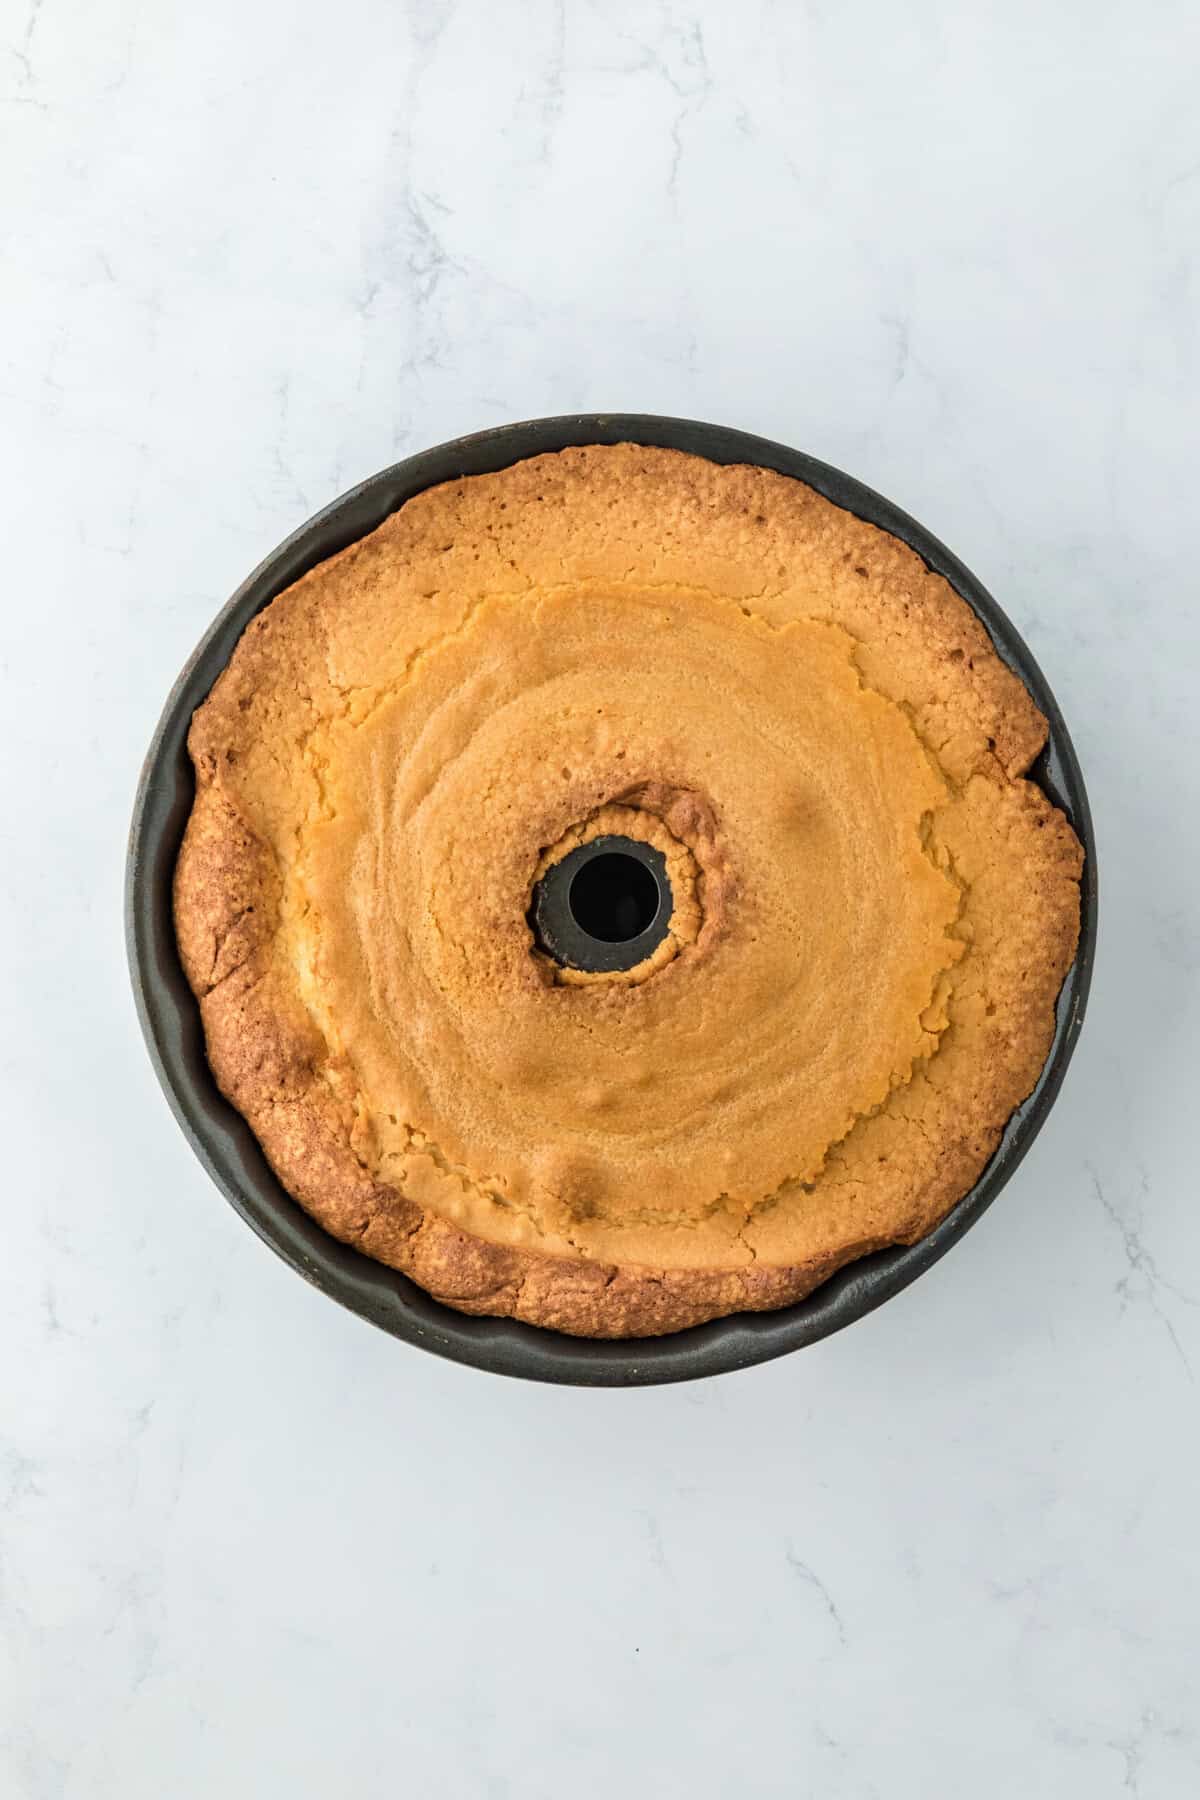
(223, 1141)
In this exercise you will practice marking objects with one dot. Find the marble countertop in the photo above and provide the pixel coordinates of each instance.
(247, 1543)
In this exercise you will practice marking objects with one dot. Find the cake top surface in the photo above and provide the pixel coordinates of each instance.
(872, 909)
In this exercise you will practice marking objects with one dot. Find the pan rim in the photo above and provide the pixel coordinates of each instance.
(221, 1139)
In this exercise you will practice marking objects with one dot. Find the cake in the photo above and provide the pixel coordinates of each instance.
(868, 909)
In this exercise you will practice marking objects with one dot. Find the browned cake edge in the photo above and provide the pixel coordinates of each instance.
(273, 1066)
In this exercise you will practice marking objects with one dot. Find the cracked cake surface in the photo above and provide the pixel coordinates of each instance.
(873, 908)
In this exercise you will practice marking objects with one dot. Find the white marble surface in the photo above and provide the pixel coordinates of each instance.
(248, 1545)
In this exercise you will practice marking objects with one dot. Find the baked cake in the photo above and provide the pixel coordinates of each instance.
(872, 910)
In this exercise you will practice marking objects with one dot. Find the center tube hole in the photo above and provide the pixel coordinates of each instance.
(614, 898)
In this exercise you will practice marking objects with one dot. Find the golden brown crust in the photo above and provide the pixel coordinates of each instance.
(266, 936)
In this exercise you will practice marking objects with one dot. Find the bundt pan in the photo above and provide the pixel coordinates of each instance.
(222, 1140)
